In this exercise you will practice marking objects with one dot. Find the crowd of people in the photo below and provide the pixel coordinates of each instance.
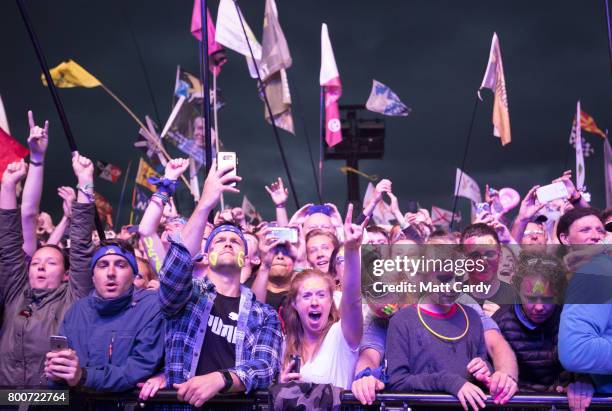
(206, 308)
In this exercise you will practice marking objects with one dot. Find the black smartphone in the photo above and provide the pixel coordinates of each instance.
(297, 362)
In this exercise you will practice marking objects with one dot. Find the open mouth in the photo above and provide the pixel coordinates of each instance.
(505, 273)
(314, 315)
(322, 263)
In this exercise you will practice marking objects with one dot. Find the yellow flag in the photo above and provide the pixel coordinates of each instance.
(144, 172)
(70, 74)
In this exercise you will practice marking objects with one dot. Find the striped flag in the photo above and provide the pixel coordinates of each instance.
(329, 79)
(580, 171)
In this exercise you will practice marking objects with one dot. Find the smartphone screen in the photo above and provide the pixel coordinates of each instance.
(552, 192)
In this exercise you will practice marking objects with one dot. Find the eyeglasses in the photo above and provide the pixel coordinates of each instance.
(340, 259)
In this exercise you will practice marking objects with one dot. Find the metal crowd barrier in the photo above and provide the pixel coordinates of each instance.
(259, 401)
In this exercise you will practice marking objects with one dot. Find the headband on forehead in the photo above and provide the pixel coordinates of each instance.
(114, 250)
(223, 228)
(323, 209)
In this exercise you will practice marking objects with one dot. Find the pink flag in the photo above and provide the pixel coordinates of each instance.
(213, 47)
(329, 79)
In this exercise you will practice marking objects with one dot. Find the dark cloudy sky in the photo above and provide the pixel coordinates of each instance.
(431, 53)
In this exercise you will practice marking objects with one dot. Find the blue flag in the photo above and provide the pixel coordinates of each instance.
(141, 200)
(384, 101)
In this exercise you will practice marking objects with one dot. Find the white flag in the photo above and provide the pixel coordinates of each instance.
(230, 34)
(442, 217)
(4, 125)
(249, 210)
(382, 212)
(580, 171)
(468, 187)
(608, 172)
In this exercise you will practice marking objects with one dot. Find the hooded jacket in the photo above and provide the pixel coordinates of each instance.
(32, 315)
(119, 341)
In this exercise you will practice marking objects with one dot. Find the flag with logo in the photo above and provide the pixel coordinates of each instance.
(11, 151)
(382, 212)
(580, 171)
(275, 60)
(108, 171)
(466, 186)
(215, 50)
(608, 172)
(144, 172)
(442, 217)
(249, 210)
(70, 74)
(495, 80)
(384, 101)
(141, 200)
(329, 80)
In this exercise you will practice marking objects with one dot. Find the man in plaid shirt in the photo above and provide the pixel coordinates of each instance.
(219, 338)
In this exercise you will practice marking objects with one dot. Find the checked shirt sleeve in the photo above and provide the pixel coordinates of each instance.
(264, 363)
(175, 279)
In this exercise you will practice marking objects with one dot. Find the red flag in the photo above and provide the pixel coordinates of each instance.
(215, 50)
(329, 79)
(11, 151)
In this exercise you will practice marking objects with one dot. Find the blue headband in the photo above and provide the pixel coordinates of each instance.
(222, 228)
(323, 209)
(114, 250)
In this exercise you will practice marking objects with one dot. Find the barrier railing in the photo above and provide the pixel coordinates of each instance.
(384, 401)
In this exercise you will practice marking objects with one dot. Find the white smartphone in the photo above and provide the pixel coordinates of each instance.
(284, 234)
(227, 158)
(58, 342)
(551, 192)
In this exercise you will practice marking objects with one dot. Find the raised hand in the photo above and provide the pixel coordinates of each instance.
(14, 173)
(530, 205)
(278, 192)
(383, 186)
(69, 196)
(38, 139)
(566, 179)
(218, 182)
(83, 169)
(175, 168)
(353, 233)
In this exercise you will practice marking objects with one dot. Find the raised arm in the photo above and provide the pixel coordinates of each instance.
(350, 304)
(216, 183)
(529, 207)
(13, 269)
(68, 196)
(154, 211)
(279, 195)
(81, 228)
(383, 186)
(32, 190)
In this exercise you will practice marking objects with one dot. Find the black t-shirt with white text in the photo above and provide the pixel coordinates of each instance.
(219, 348)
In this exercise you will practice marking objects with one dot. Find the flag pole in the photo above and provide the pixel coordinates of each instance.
(321, 140)
(465, 153)
(609, 34)
(127, 173)
(307, 139)
(269, 108)
(55, 97)
(214, 103)
(205, 79)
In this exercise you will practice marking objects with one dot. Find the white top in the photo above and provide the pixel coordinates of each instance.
(334, 363)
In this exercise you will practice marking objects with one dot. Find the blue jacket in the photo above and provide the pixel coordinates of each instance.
(120, 341)
(585, 333)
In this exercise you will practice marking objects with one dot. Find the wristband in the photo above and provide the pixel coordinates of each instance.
(164, 197)
(36, 163)
(280, 205)
(164, 185)
(227, 379)
(90, 196)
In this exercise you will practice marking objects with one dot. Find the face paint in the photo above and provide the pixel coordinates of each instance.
(240, 259)
(212, 258)
(538, 288)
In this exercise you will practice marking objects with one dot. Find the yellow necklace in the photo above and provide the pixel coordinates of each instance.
(440, 336)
